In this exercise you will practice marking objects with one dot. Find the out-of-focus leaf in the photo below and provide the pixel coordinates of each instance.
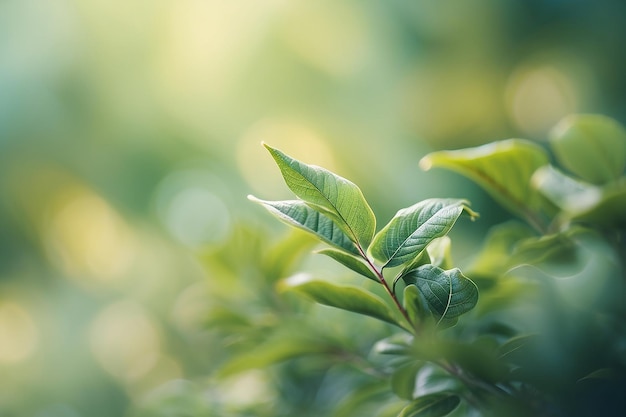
(277, 349)
(354, 263)
(398, 344)
(591, 146)
(515, 345)
(413, 304)
(495, 256)
(432, 379)
(403, 380)
(298, 214)
(440, 252)
(339, 198)
(610, 211)
(564, 191)
(344, 297)
(434, 405)
(503, 169)
(603, 373)
(413, 228)
(448, 294)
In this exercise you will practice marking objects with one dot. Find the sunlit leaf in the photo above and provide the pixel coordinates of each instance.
(413, 228)
(341, 199)
(433, 405)
(353, 262)
(297, 213)
(591, 146)
(344, 297)
(448, 294)
(503, 169)
(440, 252)
(565, 192)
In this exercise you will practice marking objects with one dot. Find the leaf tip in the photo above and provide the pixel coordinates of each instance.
(426, 163)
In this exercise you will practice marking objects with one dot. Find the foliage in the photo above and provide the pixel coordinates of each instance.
(546, 336)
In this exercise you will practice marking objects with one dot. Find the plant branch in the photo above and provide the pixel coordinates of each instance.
(381, 278)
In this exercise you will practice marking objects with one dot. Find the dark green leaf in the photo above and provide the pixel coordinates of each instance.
(591, 146)
(338, 198)
(610, 211)
(434, 405)
(344, 297)
(413, 228)
(503, 169)
(298, 214)
(448, 294)
(353, 262)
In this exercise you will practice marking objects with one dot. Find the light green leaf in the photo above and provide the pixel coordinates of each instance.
(565, 192)
(591, 146)
(298, 214)
(433, 405)
(397, 344)
(448, 294)
(413, 304)
(353, 262)
(278, 348)
(340, 199)
(503, 169)
(344, 297)
(413, 228)
(403, 379)
(440, 252)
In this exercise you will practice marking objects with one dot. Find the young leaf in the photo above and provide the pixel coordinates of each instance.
(344, 297)
(591, 146)
(413, 228)
(413, 304)
(448, 294)
(338, 198)
(433, 405)
(350, 261)
(502, 168)
(298, 214)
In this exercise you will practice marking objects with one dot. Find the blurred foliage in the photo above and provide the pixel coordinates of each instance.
(131, 265)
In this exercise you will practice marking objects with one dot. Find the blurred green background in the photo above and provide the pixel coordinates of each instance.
(130, 136)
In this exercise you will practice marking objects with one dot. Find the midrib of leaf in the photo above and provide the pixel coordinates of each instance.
(352, 232)
(408, 238)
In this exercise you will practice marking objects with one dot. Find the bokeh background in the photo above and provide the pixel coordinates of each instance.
(130, 136)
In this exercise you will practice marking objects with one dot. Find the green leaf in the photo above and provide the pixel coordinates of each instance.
(448, 294)
(353, 262)
(403, 380)
(440, 252)
(340, 199)
(433, 405)
(503, 169)
(565, 192)
(397, 344)
(609, 212)
(591, 146)
(298, 214)
(278, 348)
(344, 297)
(413, 304)
(413, 228)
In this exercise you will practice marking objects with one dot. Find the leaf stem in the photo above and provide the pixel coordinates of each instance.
(381, 278)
